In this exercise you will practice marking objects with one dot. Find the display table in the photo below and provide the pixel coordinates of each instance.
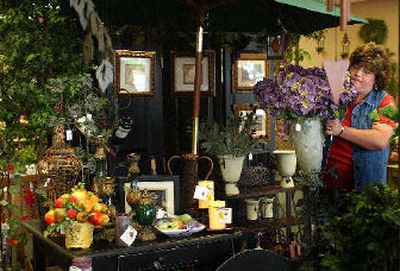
(199, 252)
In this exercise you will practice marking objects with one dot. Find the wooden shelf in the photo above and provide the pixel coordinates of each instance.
(268, 224)
(261, 191)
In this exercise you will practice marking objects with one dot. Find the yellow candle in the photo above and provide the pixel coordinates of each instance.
(203, 204)
(215, 215)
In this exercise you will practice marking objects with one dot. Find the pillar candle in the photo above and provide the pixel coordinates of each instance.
(203, 204)
(215, 215)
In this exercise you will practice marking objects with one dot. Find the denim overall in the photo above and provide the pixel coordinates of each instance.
(369, 166)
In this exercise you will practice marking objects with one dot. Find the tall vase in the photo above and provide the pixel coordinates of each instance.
(231, 168)
(308, 143)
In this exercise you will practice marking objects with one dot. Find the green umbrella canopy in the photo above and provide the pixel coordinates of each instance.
(297, 16)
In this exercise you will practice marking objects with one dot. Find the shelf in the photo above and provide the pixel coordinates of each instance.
(261, 191)
(270, 224)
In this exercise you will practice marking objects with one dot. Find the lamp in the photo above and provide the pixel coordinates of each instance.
(320, 38)
(345, 46)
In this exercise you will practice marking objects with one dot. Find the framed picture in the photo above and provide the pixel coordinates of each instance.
(282, 137)
(135, 72)
(262, 129)
(183, 72)
(166, 187)
(247, 70)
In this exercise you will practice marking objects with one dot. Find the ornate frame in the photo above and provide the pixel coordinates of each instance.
(183, 73)
(138, 65)
(257, 69)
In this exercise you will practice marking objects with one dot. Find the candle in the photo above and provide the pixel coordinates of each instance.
(203, 203)
(215, 215)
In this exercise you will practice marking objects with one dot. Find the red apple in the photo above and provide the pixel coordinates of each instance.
(71, 213)
(50, 217)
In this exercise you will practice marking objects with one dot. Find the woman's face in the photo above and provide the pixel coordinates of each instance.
(363, 80)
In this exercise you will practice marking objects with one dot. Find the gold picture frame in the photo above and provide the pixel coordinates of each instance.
(282, 136)
(183, 72)
(247, 70)
(263, 128)
(135, 72)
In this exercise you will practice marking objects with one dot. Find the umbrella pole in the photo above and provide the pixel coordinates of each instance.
(197, 84)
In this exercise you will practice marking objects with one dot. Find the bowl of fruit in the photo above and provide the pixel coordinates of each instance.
(178, 226)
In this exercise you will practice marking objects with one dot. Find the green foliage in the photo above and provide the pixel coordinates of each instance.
(365, 229)
(39, 42)
(390, 112)
(235, 138)
(374, 31)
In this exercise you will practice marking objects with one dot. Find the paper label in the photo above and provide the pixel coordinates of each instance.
(250, 156)
(225, 215)
(297, 127)
(68, 135)
(129, 235)
(201, 192)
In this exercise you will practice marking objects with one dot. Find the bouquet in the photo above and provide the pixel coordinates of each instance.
(299, 94)
(81, 205)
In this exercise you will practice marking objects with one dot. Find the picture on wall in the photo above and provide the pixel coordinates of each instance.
(183, 73)
(135, 72)
(247, 70)
(262, 129)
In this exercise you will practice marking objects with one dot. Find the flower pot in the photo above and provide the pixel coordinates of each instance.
(79, 235)
(252, 209)
(231, 168)
(308, 143)
(286, 164)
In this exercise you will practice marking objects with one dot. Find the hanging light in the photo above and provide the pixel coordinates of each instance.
(345, 46)
(319, 37)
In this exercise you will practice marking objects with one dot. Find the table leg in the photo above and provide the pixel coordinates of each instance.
(38, 256)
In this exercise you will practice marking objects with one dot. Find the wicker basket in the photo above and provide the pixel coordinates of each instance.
(79, 235)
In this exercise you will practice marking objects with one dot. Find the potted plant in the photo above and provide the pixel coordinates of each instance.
(230, 143)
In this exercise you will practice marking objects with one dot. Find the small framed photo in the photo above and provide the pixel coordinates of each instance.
(282, 136)
(247, 70)
(262, 129)
(135, 72)
(183, 72)
(166, 188)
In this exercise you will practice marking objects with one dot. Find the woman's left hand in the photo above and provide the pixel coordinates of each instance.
(334, 127)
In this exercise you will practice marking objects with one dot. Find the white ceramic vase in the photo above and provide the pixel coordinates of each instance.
(308, 143)
(286, 162)
(231, 168)
(252, 207)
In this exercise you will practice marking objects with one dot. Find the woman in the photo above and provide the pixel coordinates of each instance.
(360, 148)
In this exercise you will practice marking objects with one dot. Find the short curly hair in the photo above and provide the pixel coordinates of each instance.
(374, 59)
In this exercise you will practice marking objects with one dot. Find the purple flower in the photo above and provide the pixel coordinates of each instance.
(300, 93)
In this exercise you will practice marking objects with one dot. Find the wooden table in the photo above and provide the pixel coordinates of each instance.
(203, 251)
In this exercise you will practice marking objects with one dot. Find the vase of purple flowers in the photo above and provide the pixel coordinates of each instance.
(303, 97)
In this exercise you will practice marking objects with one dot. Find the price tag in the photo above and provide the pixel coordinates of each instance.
(201, 192)
(68, 135)
(129, 236)
(297, 127)
(250, 156)
(226, 215)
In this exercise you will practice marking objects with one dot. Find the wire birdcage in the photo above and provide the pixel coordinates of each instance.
(60, 167)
